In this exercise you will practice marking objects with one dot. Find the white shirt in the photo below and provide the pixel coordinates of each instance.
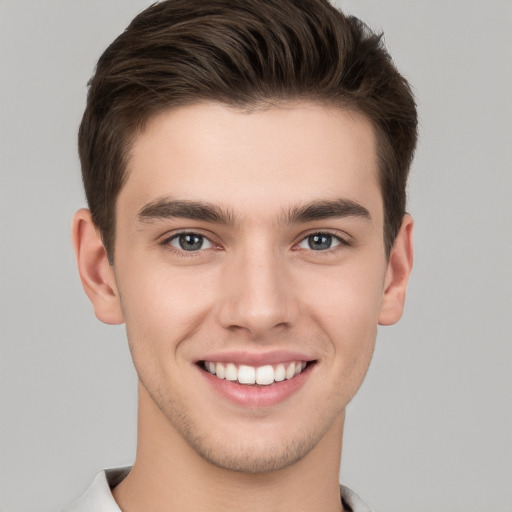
(98, 498)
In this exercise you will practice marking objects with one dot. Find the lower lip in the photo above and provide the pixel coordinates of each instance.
(255, 396)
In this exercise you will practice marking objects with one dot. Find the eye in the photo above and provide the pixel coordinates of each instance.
(320, 242)
(189, 242)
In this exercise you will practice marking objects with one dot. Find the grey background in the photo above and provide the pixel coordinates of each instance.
(431, 427)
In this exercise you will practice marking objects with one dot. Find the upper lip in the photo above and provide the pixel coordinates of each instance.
(256, 358)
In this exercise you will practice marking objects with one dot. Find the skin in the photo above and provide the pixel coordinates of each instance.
(255, 286)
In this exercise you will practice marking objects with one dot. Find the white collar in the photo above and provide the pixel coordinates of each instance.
(98, 497)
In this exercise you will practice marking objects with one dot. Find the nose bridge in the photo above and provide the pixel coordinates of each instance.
(257, 294)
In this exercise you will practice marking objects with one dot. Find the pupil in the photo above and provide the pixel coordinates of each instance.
(319, 242)
(191, 242)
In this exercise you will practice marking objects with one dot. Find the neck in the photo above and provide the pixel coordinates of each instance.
(168, 475)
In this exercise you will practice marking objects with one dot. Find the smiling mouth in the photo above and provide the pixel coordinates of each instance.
(255, 375)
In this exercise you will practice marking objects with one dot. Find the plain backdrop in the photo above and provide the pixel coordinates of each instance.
(431, 428)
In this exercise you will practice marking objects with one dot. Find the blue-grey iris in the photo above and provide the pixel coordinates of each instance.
(191, 242)
(320, 242)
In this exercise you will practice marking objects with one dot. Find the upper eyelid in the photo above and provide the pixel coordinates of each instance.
(165, 242)
(171, 235)
(343, 237)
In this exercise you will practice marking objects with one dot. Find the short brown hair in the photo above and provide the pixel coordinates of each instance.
(243, 53)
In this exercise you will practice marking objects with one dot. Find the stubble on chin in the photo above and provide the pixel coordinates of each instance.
(237, 453)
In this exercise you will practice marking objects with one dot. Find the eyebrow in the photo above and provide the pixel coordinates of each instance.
(166, 208)
(321, 209)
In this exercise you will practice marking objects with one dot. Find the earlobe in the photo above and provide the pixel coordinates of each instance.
(397, 274)
(96, 273)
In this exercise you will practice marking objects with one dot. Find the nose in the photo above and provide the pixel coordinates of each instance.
(258, 294)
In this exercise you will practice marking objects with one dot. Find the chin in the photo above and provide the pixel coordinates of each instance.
(253, 457)
(259, 448)
(255, 442)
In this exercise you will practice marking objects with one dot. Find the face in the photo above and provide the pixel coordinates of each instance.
(251, 274)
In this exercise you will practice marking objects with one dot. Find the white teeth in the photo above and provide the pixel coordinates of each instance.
(279, 373)
(290, 371)
(231, 372)
(220, 370)
(265, 375)
(261, 375)
(246, 374)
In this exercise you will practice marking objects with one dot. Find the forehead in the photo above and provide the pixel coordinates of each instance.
(255, 162)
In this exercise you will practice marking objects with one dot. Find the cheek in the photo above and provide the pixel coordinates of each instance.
(349, 318)
(346, 305)
(162, 308)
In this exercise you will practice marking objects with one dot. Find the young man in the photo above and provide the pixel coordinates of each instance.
(245, 166)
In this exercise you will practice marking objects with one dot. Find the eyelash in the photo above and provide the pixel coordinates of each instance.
(166, 243)
(341, 243)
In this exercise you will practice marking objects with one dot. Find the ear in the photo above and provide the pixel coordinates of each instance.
(397, 274)
(95, 271)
